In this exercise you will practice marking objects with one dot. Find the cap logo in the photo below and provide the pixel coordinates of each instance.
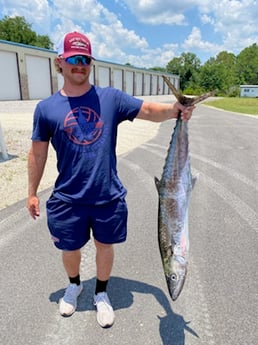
(78, 43)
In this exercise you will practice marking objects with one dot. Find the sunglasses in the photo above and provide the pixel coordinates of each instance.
(76, 59)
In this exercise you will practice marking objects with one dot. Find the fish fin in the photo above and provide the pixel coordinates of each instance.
(202, 97)
(177, 94)
(194, 179)
(187, 101)
(169, 251)
(157, 183)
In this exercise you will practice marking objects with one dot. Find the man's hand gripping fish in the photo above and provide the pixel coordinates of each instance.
(174, 189)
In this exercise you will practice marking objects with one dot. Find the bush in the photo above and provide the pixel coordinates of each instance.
(193, 91)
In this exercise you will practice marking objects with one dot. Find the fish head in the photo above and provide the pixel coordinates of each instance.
(176, 277)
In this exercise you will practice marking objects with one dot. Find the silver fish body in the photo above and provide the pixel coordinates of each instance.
(174, 189)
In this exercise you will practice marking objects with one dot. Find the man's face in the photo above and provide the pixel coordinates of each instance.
(76, 74)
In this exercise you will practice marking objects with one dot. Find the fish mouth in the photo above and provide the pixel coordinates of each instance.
(175, 283)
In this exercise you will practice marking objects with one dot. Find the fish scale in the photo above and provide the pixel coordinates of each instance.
(174, 189)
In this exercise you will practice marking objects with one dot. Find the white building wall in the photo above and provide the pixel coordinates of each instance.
(29, 73)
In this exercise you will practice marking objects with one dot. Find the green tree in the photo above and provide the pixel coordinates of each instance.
(187, 66)
(16, 29)
(225, 72)
(43, 41)
(229, 80)
(174, 66)
(220, 73)
(158, 69)
(247, 65)
(209, 76)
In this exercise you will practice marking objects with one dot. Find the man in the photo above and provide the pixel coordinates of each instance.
(81, 122)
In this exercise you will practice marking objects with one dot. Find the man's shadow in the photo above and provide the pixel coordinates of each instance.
(172, 326)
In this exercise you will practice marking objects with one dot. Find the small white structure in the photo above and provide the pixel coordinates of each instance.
(2, 145)
(248, 90)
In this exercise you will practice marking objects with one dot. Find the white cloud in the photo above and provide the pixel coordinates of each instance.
(194, 40)
(205, 19)
(110, 41)
(154, 57)
(158, 12)
(79, 10)
(231, 22)
(234, 20)
(36, 12)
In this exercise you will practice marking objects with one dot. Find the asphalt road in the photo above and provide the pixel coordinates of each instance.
(219, 302)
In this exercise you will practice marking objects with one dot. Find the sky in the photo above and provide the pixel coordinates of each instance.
(145, 33)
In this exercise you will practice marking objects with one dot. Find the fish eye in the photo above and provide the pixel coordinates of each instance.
(173, 277)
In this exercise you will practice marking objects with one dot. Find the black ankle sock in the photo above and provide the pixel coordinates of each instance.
(75, 280)
(101, 286)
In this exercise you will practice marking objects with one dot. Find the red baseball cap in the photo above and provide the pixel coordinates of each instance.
(74, 43)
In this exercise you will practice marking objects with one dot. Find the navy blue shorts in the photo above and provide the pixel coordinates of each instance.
(70, 224)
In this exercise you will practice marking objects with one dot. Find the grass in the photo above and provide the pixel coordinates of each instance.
(236, 104)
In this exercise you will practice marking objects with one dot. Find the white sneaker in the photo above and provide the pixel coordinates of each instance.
(105, 313)
(68, 303)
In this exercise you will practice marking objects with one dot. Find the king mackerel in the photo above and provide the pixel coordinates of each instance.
(174, 189)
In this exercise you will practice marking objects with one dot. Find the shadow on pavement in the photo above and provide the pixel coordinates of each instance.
(8, 159)
(172, 326)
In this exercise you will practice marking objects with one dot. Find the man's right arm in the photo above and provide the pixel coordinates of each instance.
(36, 163)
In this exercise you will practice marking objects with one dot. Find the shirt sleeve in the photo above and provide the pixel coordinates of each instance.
(129, 106)
(40, 130)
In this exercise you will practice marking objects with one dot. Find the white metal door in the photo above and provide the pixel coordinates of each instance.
(38, 72)
(118, 79)
(129, 82)
(104, 76)
(138, 80)
(154, 85)
(9, 86)
(147, 85)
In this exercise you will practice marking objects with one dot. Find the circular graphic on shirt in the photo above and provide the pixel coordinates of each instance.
(83, 126)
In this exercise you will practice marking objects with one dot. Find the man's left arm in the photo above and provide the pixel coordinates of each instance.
(158, 112)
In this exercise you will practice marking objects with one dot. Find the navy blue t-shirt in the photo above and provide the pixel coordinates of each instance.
(83, 132)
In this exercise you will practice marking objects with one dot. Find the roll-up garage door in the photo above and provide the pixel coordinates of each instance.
(138, 77)
(9, 86)
(129, 82)
(38, 71)
(118, 79)
(104, 76)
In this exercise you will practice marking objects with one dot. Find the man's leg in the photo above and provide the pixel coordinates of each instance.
(104, 260)
(104, 264)
(71, 261)
(109, 226)
(70, 229)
